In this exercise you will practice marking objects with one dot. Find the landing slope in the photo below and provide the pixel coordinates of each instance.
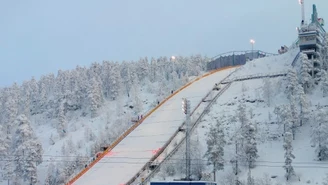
(128, 157)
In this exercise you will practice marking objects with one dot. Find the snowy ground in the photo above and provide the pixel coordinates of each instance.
(77, 143)
(128, 157)
(270, 141)
(271, 153)
(267, 65)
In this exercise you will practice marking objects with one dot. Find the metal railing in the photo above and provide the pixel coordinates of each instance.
(296, 59)
(129, 130)
(255, 76)
(152, 174)
(229, 53)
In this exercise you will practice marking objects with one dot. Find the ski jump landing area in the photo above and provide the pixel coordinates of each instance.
(140, 143)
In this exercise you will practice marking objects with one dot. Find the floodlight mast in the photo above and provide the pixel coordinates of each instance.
(303, 11)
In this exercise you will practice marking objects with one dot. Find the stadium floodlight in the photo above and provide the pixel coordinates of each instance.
(301, 2)
(252, 41)
(172, 58)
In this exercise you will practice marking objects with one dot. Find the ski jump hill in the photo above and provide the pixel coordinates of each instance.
(143, 142)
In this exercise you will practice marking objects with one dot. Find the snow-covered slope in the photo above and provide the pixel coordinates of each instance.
(269, 165)
(128, 157)
(267, 65)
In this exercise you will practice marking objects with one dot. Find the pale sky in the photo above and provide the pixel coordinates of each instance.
(39, 37)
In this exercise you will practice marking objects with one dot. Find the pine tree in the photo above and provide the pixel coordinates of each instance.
(320, 134)
(305, 72)
(292, 83)
(242, 114)
(26, 99)
(324, 83)
(136, 99)
(250, 179)
(7, 164)
(95, 97)
(289, 156)
(304, 107)
(267, 90)
(51, 178)
(126, 76)
(42, 92)
(250, 147)
(28, 151)
(115, 82)
(285, 116)
(142, 69)
(237, 138)
(215, 147)
(11, 107)
(33, 87)
(197, 162)
(61, 128)
(325, 182)
(294, 119)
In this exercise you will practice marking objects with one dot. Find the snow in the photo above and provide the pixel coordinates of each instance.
(128, 157)
(267, 65)
(270, 141)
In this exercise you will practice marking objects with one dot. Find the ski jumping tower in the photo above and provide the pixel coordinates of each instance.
(312, 38)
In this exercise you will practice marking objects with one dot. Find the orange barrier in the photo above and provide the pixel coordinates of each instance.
(127, 132)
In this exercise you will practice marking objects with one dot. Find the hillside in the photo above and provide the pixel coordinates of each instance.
(71, 131)
(261, 111)
(59, 123)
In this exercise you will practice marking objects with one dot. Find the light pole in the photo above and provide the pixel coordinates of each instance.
(303, 12)
(252, 41)
(186, 111)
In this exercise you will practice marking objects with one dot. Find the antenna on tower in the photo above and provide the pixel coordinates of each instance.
(303, 11)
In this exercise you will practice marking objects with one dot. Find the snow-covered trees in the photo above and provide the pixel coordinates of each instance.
(242, 114)
(61, 127)
(250, 146)
(325, 181)
(250, 179)
(215, 146)
(267, 90)
(61, 97)
(320, 134)
(51, 178)
(28, 151)
(135, 95)
(95, 96)
(305, 76)
(304, 107)
(292, 83)
(197, 164)
(4, 153)
(285, 117)
(324, 83)
(289, 156)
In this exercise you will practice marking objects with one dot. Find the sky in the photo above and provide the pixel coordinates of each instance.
(39, 37)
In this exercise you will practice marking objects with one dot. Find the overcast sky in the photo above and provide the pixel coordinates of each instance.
(39, 36)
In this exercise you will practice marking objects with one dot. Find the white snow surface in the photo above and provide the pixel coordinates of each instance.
(128, 157)
(267, 65)
(269, 134)
(132, 153)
